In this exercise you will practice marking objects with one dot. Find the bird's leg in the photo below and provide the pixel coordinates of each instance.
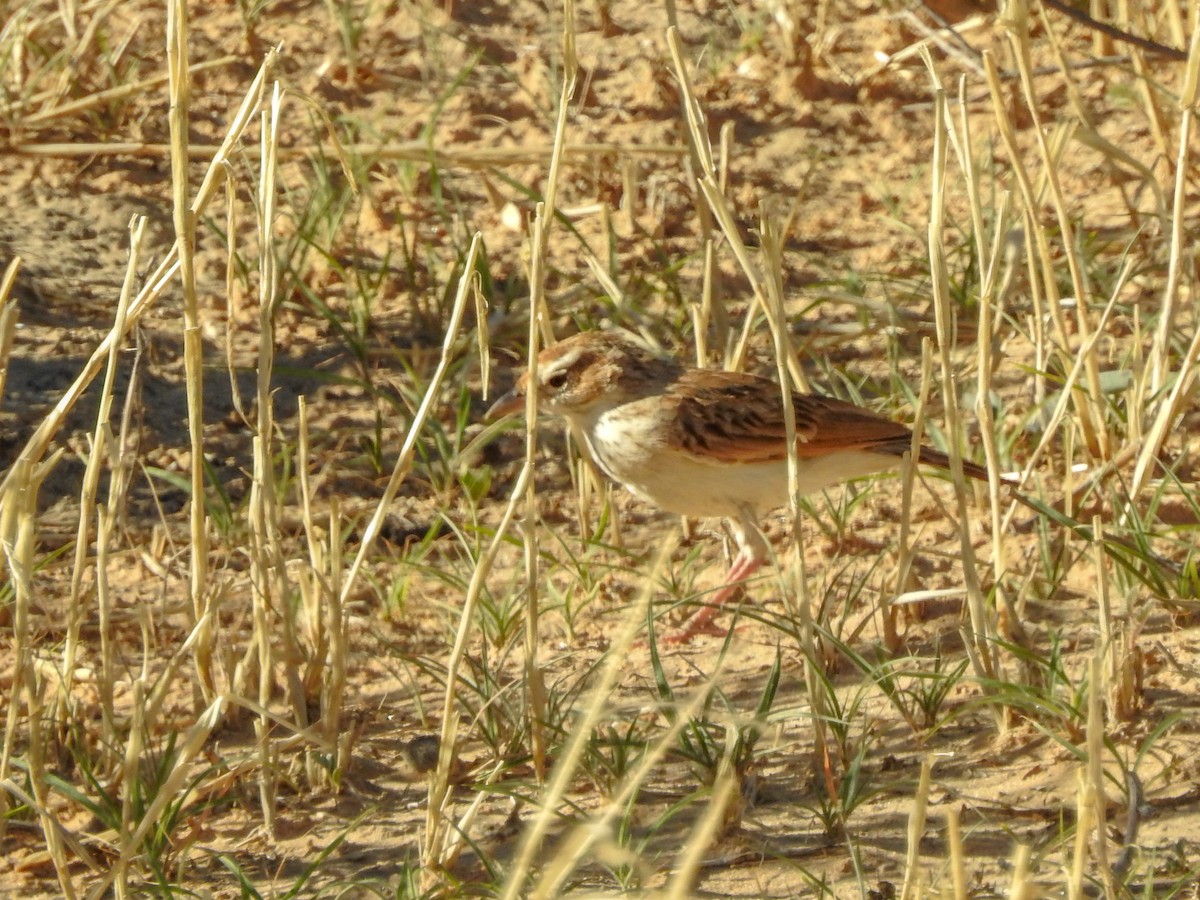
(752, 553)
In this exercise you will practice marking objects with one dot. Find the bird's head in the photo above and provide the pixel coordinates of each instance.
(585, 374)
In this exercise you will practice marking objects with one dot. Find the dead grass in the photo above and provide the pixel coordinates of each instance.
(344, 637)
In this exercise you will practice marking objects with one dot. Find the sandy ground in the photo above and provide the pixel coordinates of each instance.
(822, 131)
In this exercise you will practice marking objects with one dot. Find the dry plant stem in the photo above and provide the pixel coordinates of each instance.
(69, 838)
(1041, 282)
(326, 569)
(1108, 643)
(958, 872)
(772, 254)
(438, 843)
(124, 450)
(68, 11)
(1087, 134)
(1176, 22)
(983, 620)
(1090, 800)
(586, 834)
(102, 451)
(168, 792)
(1168, 412)
(700, 158)
(1144, 77)
(439, 785)
(166, 679)
(193, 347)
(266, 554)
(717, 313)
(18, 533)
(1091, 409)
(333, 692)
(83, 104)
(130, 786)
(1021, 888)
(772, 257)
(83, 42)
(595, 706)
(992, 302)
(814, 676)
(1160, 353)
(707, 179)
(10, 312)
(1098, 688)
(707, 829)
(904, 555)
(539, 326)
(434, 824)
(1050, 428)
(232, 293)
(35, 447)
(413, 151)
(709, 182)
(916, 828)
(989, 265)
(408, 448)
(37, 444)
(108, 646)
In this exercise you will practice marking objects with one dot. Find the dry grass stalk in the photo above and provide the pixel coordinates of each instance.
(1166, 415)
(102, 452)
(916, 829)
(588, 833)
(37, 444)
(267, 568)
(1042, 283)
(1107, 638)
(708, 827)
(954, 840)
(18, 532)
(100, 98)
(1099, 687)
(1167, 408)
(792, 578)
(767, 289)
(10, 312)
(130, 775)
(541, 334)
(438, 843)
(983, 619)
(1090, 407)
(591, 709)
(709, 183)
(905, 553)
(170, 791)
(414, 151)
(1065, 400)
(1087, 134)
(992, 294)
(323, 582)
(179, 90)
(1021, 887)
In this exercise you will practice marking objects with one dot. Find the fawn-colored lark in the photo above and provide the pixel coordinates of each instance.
(703, 442)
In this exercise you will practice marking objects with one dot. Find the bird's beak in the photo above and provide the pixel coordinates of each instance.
(512, 402)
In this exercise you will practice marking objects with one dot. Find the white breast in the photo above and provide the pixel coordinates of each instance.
(632, 452)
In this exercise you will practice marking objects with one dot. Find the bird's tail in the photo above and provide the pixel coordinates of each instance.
(931, 457)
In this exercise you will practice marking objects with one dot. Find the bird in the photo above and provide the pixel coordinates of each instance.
(707, 443)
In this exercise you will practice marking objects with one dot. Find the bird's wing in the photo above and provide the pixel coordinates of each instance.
(738, 418)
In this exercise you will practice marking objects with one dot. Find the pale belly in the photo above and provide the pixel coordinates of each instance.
(689, 486)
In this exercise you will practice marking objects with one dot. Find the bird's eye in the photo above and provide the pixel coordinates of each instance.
(557, 380)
